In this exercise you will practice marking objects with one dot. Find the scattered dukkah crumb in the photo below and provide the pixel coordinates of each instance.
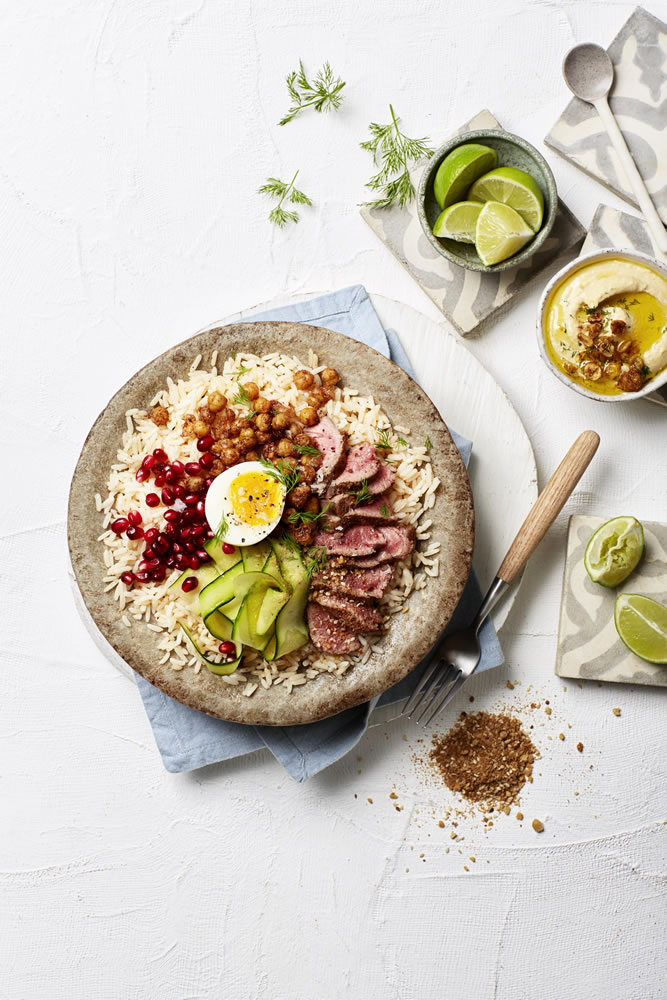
(473, 858)
(465, 868)
(519, 815)
(537, 825)
(616, 711)
(547, 711)
(487, 758)
(580, 747)
(561, 736)
(393, 795)
(452, 835)
(371, 801)
(441, 822)
(509, 686)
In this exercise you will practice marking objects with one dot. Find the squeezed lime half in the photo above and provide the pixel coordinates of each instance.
(459, 169)
(642, 625)
(614, 551)
(459, 221)
(512, 187)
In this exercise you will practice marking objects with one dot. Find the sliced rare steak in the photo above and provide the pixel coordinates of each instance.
(398, 543)
(361, 464)
(355, 615)
(359, 540)
(365, 584)
(331, 443)
(328, 633)
(382, 480)
(377, 512)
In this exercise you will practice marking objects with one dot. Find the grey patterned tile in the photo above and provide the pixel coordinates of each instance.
(588, 645)
(638, 99)
(467, 298)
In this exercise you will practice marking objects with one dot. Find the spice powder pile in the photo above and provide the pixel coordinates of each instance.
(486, 758)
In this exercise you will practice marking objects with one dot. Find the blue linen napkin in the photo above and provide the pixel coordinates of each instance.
(188, 739)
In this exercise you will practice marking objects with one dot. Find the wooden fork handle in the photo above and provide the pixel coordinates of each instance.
(549, 505)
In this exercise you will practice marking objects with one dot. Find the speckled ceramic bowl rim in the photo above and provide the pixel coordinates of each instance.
(411, 636)
(478, 135)
(565, 272)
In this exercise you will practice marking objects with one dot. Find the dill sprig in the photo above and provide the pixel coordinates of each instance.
(384, 510)
(243, 399)
(363, 494)
(276, 188)
(283, 472)
(305, 449)
(393, 151)
(324, 94)
(317, 560)
(383, 440)
(239, 373)
(222, 528)
(307, 516)
(428, 444)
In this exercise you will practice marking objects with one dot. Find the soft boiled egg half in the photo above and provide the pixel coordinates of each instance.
(248, 499)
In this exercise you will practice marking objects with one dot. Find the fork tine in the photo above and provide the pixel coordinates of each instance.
(415, 697)
(442, 679)
(444, 700)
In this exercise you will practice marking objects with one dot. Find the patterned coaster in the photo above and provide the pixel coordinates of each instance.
(467, 298)
(611, 228)
(588, 644)
(639, 55)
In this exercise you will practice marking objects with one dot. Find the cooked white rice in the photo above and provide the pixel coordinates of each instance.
(159, 609)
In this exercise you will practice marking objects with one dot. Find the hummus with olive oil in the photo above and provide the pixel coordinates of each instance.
(605, 325)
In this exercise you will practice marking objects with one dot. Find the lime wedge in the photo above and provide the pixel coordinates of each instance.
(614, 551)
(515, 188)
(459, 221)
(500, 233)
(459, 169)
(642, 625)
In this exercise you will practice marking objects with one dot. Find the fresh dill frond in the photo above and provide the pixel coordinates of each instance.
(222, 528)
(275, 188)
(305, 449)
(283, 472)
(384, 510)
(307, 516)
(324, 94)
(383, 440)
(363, 494)
(428, 444)
(243, 399)
(402, 443)
(239, 373)
(393, 152)
(317, 560)
(291, 543)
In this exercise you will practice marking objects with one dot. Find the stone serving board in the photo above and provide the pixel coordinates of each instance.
(589, 647)
(468, 299)
(639, 55)
(411, 636)
(611, 228)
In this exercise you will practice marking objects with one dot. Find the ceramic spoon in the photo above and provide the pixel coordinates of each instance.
(589, 73)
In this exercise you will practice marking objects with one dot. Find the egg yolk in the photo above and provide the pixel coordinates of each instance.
(256, 498)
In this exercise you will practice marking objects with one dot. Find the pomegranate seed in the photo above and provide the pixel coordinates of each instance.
(205, 443)
(210, 534)
(176, 548)
(149, 552)
(170, 562)
(181, 560)
(193, 561)
(168, 496)
(192, 468)
(186, 533)
(170, 476)
(119, 525)
(144, 566)
(188, 516)
(148, 462)
(190, 583)
(209, 482)
(160, 455)
(207, 460)
(227, 548)
(142, 577)
(162, 545)
(142, 475)
(134, 532)
(152, 500)
(160, 480)
(203, 556)
(134, 517)
(201, 508)
(189, 547)
(127, 578)
(172, 515)
(171, 530)
(153, 564)
(178, 469)
(179, 492)
(198, 530)
(226, 648)
(151, 534)
(191, 499)
(158, 574)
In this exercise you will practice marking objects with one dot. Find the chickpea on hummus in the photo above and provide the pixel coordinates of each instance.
(605, 325)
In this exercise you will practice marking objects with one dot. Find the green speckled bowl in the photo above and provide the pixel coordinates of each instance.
(512, 152)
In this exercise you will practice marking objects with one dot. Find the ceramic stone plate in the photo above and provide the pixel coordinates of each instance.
(410, 636)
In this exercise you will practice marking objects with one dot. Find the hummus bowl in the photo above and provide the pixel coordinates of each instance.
(602, 325)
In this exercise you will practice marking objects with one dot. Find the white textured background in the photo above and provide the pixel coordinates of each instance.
(134, 136)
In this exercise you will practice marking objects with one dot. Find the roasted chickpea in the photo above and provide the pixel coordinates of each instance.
(330, 376)
(262, 405)
(217, 448)
(188, 426)
(313, 505)
(263, 437)
(248, 436)
(280, 422)
(303, 534)
(303, 379)
(284, 448)
(217, 467)
(311, 461)
(222, 421)
(216, 402)
(308, 473)
(231, 455)
(205, 414)
(299, 496)
(239, 424)
(308, 416)
(318, 397)
(200, 428)
(194, 483)
(269, 451)
(303, 440)
(263, 422)
(252, 456)
(291, 461)
(295, 428)
(252, 389)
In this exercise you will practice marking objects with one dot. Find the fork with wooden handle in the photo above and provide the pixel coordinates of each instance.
(457, 657)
